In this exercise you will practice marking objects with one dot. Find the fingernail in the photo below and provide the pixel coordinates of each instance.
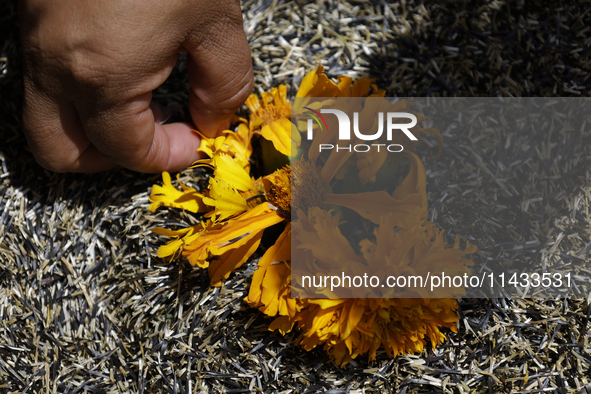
(224, 125)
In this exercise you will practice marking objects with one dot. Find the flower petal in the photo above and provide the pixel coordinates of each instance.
(374, 205)
(221, 268)
(317, 84)
(169, 196)
(279, 133)
(280, 251)
(226, 201)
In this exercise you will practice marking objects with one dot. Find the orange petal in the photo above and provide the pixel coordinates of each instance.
(415, 182)
(280, 251)
(317, 84)
(279, 133)
(222, 267)
(283, 324)
(361, 87)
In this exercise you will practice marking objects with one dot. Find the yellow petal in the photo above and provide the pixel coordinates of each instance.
(336, 160)
(354, 316)
(231, 236)
(280, 251)
(170, 248)
(239, 142)
(283, 324)
(415, 182)
(231, 171)
(276, 279)
(219, 238)
(169, 196)
(207, 146)
(221, 268)
(361, 87)
(226, 201)
(252, 102)
(170, 233)
(279, 133)
(344, 85)
(317, 84)
(328, 303)
(374, 205)
(369, 165)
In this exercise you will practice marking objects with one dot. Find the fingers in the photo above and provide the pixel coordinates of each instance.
(129, 135)
(55, 137)
(220, 72)
(76, 124)
(67, 137)
(90, 69)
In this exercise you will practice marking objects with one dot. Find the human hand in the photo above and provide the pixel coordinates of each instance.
(90, 68)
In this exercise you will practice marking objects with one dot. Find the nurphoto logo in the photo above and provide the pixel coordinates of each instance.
(344, 122)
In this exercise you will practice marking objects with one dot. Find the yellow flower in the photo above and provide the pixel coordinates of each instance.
(168, 196)
(238, 208)
(270, 290)
(317, 84)
(235, 144)
(271, 114)
(270, 117)
(351, 327)
(358, 326)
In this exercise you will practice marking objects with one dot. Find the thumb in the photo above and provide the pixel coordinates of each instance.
(129, 134)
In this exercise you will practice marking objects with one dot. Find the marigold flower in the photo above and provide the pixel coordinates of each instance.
(168, 196)
(236, 225)
(355, 326)
(270, 117)
(351, 327)
(235, 144)
(238, 208)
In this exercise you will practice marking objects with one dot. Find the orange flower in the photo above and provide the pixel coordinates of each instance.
(270, 117)
(356, 326)
(238, 208)
(237, 221)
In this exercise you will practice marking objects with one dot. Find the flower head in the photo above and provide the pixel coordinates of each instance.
(237, 208)
(350, 327)
(270, 117)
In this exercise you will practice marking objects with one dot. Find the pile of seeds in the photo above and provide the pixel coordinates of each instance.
(85, 306)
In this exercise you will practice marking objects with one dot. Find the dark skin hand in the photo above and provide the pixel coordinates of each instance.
(90, 68)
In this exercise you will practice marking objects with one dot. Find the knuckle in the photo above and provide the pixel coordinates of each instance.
(53, 165)
(232, 93)
(153, 159)
(43, 151)
(242, 90)
(83, 70)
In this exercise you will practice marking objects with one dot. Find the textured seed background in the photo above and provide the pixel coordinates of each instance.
(85, 306)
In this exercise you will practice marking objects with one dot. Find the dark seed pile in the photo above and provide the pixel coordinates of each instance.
(86, 307)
